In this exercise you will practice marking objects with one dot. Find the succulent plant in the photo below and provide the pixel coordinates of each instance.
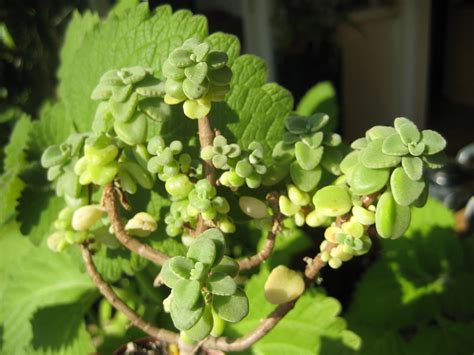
(204, 280)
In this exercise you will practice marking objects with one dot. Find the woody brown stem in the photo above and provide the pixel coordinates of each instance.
(144, 250)
(117, 303)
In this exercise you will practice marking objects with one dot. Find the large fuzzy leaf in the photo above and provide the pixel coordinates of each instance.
(37, 285)
(53, 127)
(134, 37)
(11, 185)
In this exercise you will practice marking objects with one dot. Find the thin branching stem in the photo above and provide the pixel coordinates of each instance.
(144, 250)
(117, 303)
(267, 249)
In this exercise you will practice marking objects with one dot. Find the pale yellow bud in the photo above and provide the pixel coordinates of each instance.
(283, 285)
(141, 225)
(167, 303)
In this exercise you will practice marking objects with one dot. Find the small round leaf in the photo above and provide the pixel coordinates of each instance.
(434, 141)
(202, 250)
(394, 145)
(232, 308)
(391, 219)
(365, 181)
(405, 190)
(221, 284)
(186, 293)
(332, 201)
(373, 157)
(184, 318)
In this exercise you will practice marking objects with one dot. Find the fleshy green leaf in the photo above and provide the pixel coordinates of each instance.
(217, 237)
(331, 160)
(181, 266)
(123, 111)
(186, 293)
(348, 164)
(434, 141)
(168, 277)
(314, 140)
(305, 180)
(359, 143)
(227, 266)
(203, 327)
(227, 43)
(283, 152)
(413, 167)
(394, 145)
(409, 133)
(184, 318)
(202, 250)
(232, 308)
(373, 157)
(391, 219)
(307, 157)
(405, 190)
(133, 132)
(332, 201)
(221, 284)
(379, 132)
(366, 181)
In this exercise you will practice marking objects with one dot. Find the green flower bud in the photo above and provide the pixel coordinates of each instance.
(209, 214)
(179, 186)
(226, 225)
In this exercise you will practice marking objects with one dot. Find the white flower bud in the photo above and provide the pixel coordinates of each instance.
(253, 207)
(85, 217)
(283, 285)
(141, 225)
